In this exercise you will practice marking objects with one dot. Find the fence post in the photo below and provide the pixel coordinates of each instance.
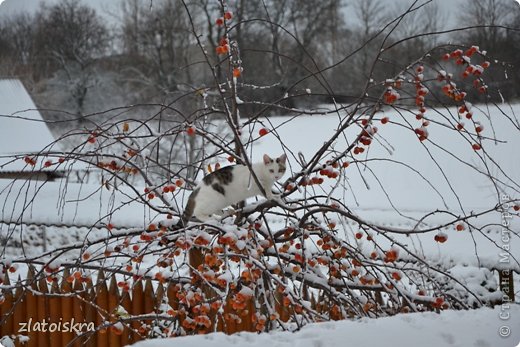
(91, 313)
(6, 325)
(137, 308)
(78, 308)
(54, 314)
(102, 306)
(126, 302)
(20, 312)
(43, 311)
(66, 307)
(32, 306)
(149, 301)
(114, 340)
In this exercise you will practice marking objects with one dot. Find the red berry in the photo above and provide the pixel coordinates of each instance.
(384, 120)
(179, 182)
(446, 56)
(516, 208)
(219, 21)
(191, 131)
(485, 64)
(151, 196)
(396, 276)
(439, 301)
(92, 139)
(263, 132)
(460, 227)
(359, 235)
(48, 163)
(228, 15)
(476, 146)
(441, 237)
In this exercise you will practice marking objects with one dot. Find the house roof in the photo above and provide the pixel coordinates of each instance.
(22, 128)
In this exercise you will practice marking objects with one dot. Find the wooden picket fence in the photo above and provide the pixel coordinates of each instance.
(39, 304)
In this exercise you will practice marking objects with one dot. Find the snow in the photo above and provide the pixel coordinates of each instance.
(22, 128)
(399, 186)
(478, 328)
(73, 204)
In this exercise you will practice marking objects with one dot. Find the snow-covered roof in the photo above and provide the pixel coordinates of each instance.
(22, 128)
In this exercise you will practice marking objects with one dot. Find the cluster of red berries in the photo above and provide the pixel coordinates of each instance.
(391, 96)
(365, 137)
(223, 47)
(464, 58)
(228, 15)
(451, 91)
(113, 166)
(30, 161)
(441, 237)
(420, 93)
(166, 189)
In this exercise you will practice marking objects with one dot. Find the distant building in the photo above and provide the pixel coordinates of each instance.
(23, 133)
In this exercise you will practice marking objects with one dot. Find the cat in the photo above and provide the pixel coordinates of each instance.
(230, 185)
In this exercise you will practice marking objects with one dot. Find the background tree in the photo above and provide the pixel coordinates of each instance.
(69, 38)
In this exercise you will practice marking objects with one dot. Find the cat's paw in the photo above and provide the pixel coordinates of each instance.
(277, 198)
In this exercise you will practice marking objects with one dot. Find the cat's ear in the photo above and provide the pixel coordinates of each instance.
(267, 159)
(282, 158)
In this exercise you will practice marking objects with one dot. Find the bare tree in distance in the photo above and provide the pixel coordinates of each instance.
(69, 39)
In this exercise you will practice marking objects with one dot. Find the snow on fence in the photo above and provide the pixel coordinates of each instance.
(49, 314)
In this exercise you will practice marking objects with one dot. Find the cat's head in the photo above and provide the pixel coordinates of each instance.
(275, 168)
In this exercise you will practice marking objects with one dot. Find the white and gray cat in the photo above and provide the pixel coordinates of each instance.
(230, 185)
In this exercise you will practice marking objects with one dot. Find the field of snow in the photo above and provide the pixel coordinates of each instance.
(397, 158)
(477, 328)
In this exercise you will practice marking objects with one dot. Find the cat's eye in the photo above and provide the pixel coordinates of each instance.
(281, 170)
(271, 171)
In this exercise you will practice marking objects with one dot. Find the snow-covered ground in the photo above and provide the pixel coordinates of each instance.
(475, 328)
